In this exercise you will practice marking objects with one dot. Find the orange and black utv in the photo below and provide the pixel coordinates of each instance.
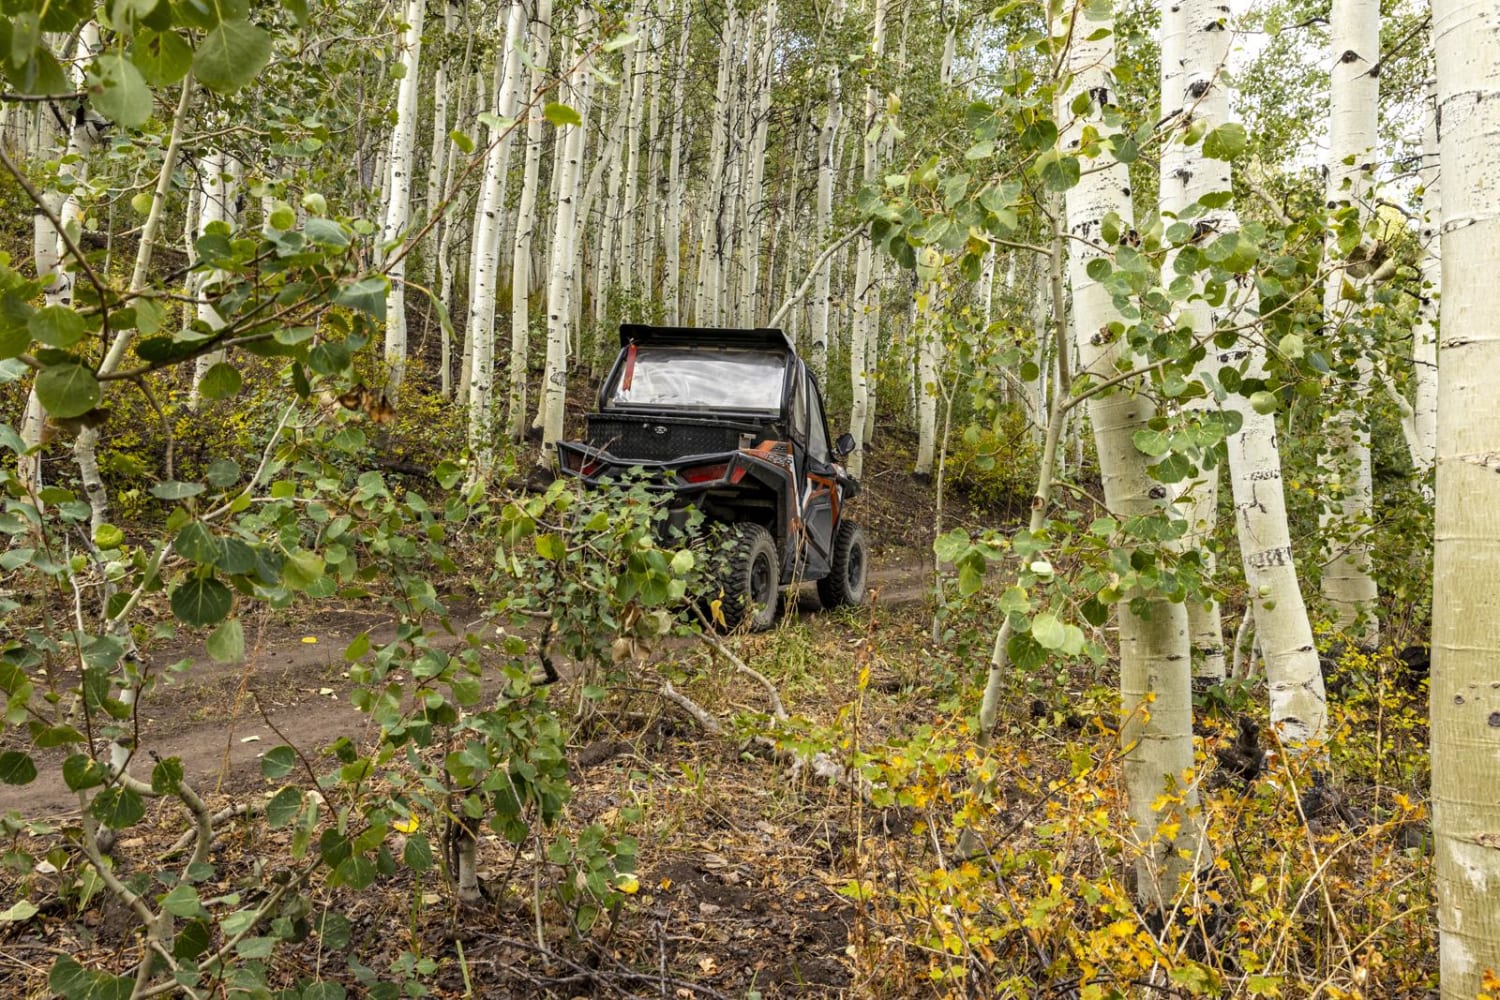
(731, 422)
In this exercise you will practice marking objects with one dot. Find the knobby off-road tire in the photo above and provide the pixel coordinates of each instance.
(750, 578)
(845, 583)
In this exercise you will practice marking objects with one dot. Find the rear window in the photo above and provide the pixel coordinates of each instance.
(688, 378)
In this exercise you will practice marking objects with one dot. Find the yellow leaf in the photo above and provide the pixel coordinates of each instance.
(628, 884)
(311, 640)
(407, 825)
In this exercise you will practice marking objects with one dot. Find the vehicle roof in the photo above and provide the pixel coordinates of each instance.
(704, 336)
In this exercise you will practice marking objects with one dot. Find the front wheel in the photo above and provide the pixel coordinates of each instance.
(845, 583)
(750, 578)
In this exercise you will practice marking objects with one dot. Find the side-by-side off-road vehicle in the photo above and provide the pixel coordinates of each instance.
(731, 422)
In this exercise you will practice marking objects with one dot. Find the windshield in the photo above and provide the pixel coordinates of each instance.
(697, 379)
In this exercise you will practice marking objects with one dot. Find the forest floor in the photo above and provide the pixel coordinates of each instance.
(740, 868)
(756, 878)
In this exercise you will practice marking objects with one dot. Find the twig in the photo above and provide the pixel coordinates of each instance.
(41, 206)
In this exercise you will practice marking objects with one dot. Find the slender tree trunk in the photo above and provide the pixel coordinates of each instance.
(213, 207)
(560, 287)
(672, 279)
(398, 209)
(630, 254)
(827, 153)
(1155, 657)
(864, 296)
(526, 223)
(486, 254)
(1354, 88)
(1425, 334)
(1195, 48)
(1466, 597)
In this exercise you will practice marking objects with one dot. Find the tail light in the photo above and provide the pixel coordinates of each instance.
(712, 473)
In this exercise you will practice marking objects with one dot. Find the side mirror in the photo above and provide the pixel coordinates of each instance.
(844, 445)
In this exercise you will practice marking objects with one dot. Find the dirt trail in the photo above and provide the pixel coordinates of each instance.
(211, 715)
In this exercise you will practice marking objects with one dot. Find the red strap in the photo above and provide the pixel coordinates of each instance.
(629, 367)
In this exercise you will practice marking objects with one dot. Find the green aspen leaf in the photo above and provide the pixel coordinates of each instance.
(1058, 172)
(202, 601)
(183, 901)
(17, 768)
(302, 569)
(1225, 142)
(970, 578)
(67, 390)
(197, 543)
(418, 853)
(118, 808)
(551, 547)
(560, 114)
(227, 642)
(282, 217)
(283, 807)
(278, 762)
(1291, 345)
(1098, 269)
(1024, 651)
(39, 73)
(1153, 443)
(166, 776)
(1172, 469)
(1263, 402)
(367, 295)
(220, 382)
(172, 489)
(163, 57)
(107, 536)
(223, 472)
(68, 979)
(81, 771)
(298, 10)
(462, 141)
(56, 326)
(356, 872)
(325, 232)
(119, 92)
(19, 913)
(1048, 631)
(231, 55)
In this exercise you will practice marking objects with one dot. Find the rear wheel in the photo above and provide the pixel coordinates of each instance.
(750, 578)
(845, 583)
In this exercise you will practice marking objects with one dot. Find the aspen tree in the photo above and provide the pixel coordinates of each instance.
(485, 259)
(1354, 88)
(213, 197)
(562, 280)
(672, 238)
(1466, 601)
(1195, 48)
(398, 207)
(540, 37)
(1155, 662)
(864, 295)
(1423, 417)
(827, 156)
(630, 253)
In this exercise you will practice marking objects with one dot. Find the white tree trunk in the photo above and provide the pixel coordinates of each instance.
(1425, 333)
(929, 353)
(1195, 48)
(526, 223)
(865, 295)
(1348, 586)
(562, 282)
(1466, 584)
(672, 238)
(398, 206)
(1294, 676)
(486, 253)
(630, 254)
(213, 195)
(1155, 658)
(827, 153)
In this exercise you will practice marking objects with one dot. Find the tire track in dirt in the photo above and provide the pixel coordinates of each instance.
(209, 717)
